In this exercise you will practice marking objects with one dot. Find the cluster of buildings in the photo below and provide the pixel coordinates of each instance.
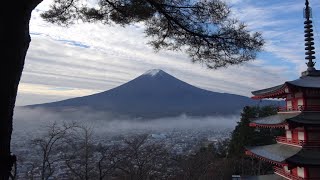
(178, 141)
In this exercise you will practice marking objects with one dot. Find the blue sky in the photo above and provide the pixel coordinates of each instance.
(89, 58)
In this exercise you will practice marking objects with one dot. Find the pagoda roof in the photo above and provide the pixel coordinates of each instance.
(263, 177)
(306, 118)
(279, 119)
(307, 81)
(305, 157)
(277, 153)
(269, 91)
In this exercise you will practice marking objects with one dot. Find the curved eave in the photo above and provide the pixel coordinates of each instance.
(279, 91)
(282, 125)
(305, 119)
(249, 153)
(274, 153)
(306, 82)
(305, 158)
(275, 121)
(273, 92)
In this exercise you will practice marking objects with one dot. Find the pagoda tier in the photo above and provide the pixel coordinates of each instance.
(305, 158)
(302, 94)
(276, 121)
(293, 120)
(290, 162)
(309, 83)
(302, 128)
(286, 155)
(274, 153)
(305, 119)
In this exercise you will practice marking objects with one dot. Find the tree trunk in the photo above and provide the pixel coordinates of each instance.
(14, 38)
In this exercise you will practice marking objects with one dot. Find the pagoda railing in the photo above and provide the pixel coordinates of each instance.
(285, 140)
(304, 143)
(282, 172)
(299, 108)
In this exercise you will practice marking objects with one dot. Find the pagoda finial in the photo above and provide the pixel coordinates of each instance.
(309, 37)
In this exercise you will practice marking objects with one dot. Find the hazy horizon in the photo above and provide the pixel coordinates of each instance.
(35, 120)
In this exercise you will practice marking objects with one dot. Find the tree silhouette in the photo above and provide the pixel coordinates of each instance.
(203, 29)
(48, 145)
(79, 157)
(143, 160)
(244, 135)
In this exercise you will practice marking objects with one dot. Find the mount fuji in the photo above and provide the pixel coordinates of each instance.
(157, 94)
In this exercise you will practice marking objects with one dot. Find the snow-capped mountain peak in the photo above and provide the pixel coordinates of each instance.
(153, 72)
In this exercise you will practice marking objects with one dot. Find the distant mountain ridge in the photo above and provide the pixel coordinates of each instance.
(157, 94)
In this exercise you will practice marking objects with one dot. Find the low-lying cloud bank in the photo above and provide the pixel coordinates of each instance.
(35, 120)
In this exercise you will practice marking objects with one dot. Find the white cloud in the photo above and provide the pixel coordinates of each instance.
(39, 89)
(92, 58)
(27, 122)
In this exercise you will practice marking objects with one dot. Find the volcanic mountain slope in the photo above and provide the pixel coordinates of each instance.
(157, 94)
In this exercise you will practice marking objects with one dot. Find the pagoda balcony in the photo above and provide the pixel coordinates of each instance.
(296, 142)
(281, 172)
(299, 108)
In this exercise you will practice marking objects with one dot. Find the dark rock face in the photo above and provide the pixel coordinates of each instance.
(157, 94)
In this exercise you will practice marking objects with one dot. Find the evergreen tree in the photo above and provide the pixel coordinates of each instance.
(244, 135)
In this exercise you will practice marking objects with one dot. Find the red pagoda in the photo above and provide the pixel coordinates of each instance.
(296, 155)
